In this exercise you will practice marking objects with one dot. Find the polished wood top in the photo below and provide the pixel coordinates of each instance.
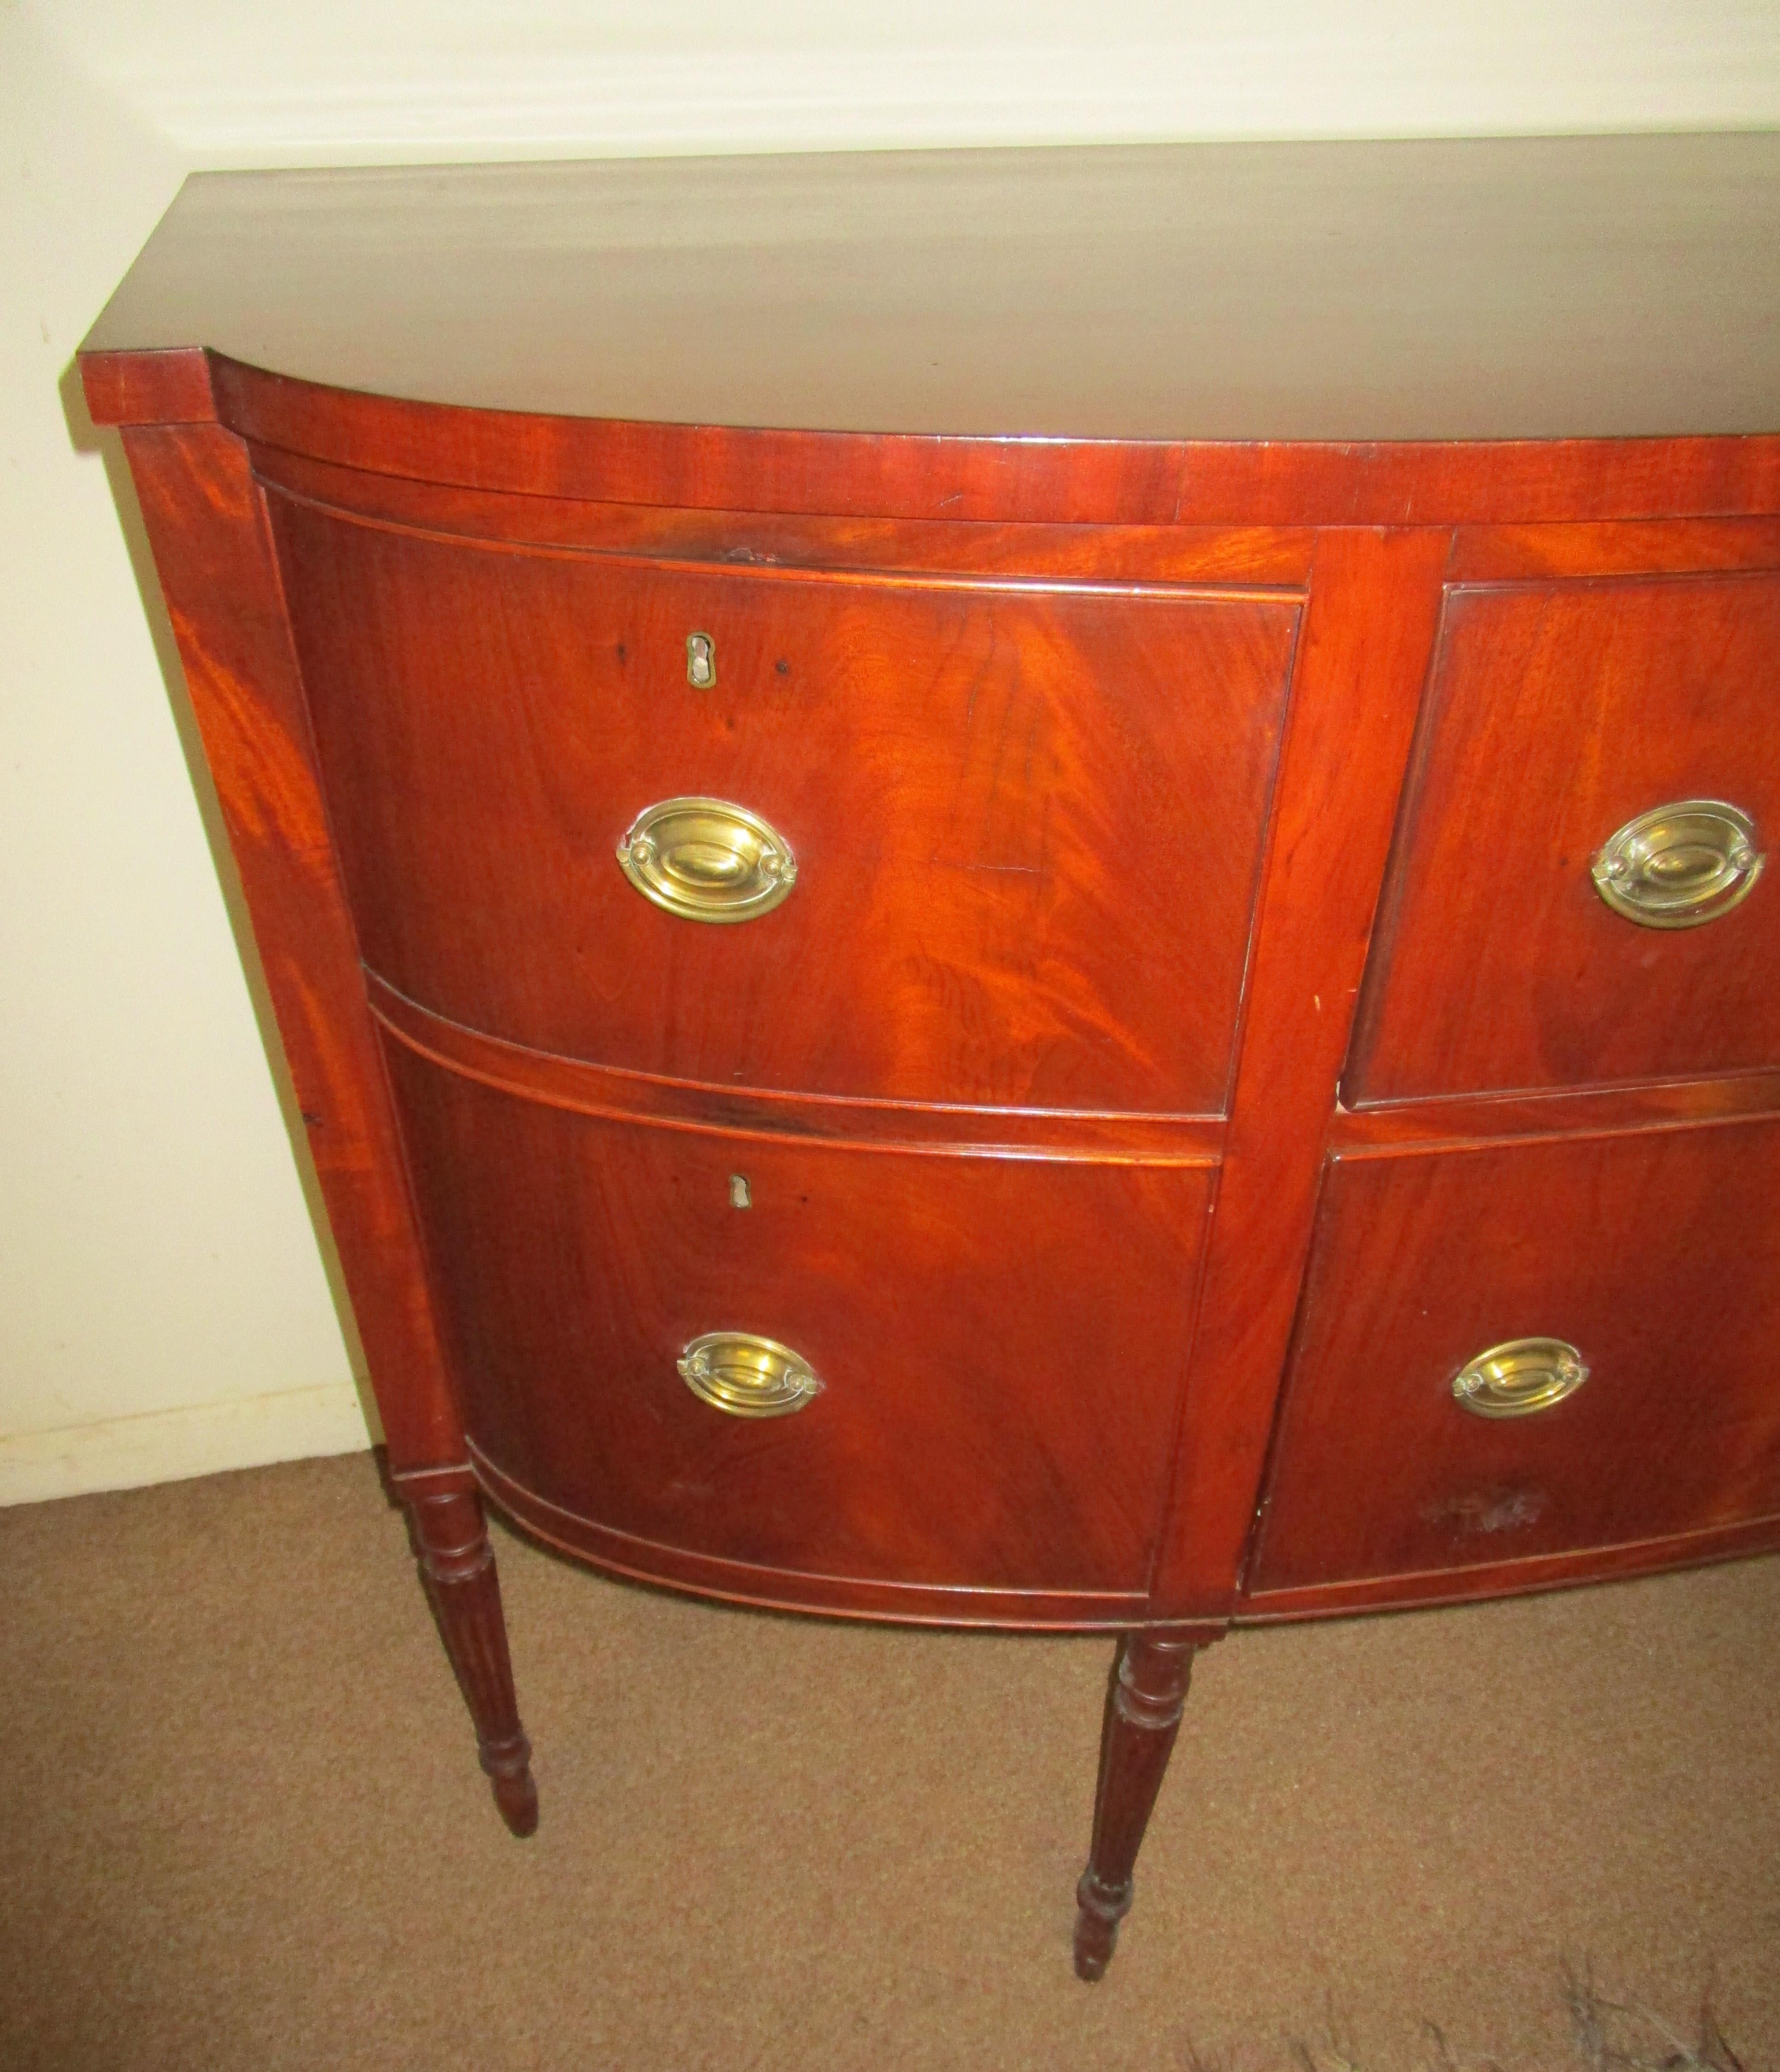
(1599, 287)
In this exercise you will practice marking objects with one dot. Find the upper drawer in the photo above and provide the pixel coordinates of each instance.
(1558, 713)
(1025, 817)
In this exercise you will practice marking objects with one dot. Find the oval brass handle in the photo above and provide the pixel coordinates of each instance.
(746, 1376)
(1677, 866)
(707, 859)
(1519, 1377)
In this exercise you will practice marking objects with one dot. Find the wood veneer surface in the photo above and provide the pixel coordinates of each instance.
(1657, 1254)
(982, 1328)
(1027, 819)
(1301, 360)
(1601, 287)
(1554, 711)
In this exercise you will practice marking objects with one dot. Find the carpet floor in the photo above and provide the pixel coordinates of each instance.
(241, 1823)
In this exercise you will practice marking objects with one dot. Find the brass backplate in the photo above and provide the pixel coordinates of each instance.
(707, 860)
(1679, 865)
(1519, 1377)
(747, 1375)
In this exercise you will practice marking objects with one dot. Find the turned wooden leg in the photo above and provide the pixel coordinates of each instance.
(1143, 1714)
(457, 1565)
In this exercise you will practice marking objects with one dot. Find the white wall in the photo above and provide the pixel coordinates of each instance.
(164, 1307)
(232, 83)
(156, 1257)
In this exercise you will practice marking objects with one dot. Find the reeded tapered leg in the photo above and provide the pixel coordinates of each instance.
(1143, 1714)
(457, 1565)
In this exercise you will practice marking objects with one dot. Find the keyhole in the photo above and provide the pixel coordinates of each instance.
(739, 1196)
(701, 661)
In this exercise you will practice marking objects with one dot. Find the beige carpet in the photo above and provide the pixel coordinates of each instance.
(242, 1824)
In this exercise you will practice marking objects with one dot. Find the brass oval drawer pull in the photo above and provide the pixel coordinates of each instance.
(1679, 865)
(1519, 1376)
(746, 1376)
(707, 859)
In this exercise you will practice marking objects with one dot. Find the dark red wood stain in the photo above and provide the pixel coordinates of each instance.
(981, 1325)
(1556, 712)
(1026, 818)
(1193, 979)
(1655, 1254)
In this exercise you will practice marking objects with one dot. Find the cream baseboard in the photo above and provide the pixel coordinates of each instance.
(171, 1445)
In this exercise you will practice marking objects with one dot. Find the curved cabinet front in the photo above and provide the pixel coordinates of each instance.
(1610, 1304)
(995, 1346)
(852, 1255)
(1593, 755)
(1024, 818)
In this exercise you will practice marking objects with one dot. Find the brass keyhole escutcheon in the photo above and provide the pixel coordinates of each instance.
(701, 661)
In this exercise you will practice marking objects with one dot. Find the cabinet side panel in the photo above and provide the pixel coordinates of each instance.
(1361, 660)
(212, 553)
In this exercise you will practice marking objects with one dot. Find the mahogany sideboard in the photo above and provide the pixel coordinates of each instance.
(1014, 889)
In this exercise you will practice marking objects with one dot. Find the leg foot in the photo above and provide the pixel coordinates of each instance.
(1098, 1914)
(457, 1566)
(1143, 1715)
(516, 1794)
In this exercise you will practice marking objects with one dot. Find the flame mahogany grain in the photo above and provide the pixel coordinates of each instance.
(980, 1325)
(213, 554)
(1656, 1254)
(1119, 768)
(1557, 708)
(996, 792)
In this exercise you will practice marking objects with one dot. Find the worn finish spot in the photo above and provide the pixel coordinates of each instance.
(1482, 1511)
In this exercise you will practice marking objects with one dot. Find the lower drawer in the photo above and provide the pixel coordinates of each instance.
(1656, 1257)
(1000, 1341)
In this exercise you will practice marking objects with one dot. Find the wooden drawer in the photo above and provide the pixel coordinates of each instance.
(1001, 1341)
(1026, 818)
(1657, 1255)
(1556, 713)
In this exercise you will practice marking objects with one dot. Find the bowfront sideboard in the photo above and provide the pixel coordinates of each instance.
(1025, 890)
